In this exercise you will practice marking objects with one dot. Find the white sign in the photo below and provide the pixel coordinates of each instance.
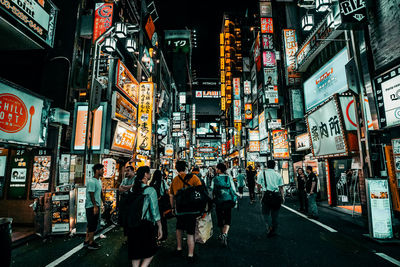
(275, 124)
(237, 111)
(110, 166)
(262, 126)
(326, 130)
(380, 207)
(302, 142)
(349, 114)
(254, 136)
(247, 87)
(391, 99)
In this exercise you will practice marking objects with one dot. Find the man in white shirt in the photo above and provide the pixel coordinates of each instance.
(271, 184)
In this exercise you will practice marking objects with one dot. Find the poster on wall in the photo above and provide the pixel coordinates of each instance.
(280, 144)
(41, 174)
(23, 116)
(328, 80)
(380, 208)
(326, 129)
(387, 88)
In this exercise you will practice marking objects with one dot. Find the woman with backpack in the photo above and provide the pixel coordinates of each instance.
(159, 184)
(224, 192)
(142, 237)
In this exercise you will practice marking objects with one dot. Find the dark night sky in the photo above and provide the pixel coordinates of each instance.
(206, 17)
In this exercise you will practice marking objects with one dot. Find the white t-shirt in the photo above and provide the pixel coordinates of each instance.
(273, 179)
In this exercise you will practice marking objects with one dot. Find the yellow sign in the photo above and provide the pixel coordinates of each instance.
(145, 116)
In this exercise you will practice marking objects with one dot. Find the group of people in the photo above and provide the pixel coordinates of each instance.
(144, 239)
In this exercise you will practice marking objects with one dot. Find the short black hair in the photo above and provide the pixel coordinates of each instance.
(221, 167)
(97, 166)
(130, 167)
(270, 164)
(309, 168)
(196, 169)
(180, 166)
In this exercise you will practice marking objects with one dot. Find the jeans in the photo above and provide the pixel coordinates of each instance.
(270, 217)
(312, 204)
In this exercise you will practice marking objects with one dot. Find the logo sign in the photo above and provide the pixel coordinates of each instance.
(267, 25)
(236, 88)
(302, 142)
(208, 94)
(145, 116)
(21, 116)
(388, 97)
(290, 43)
(328, 80)
(280, 144)
(127, 83)
(349, 115)
(124, 139)
(247, 87)
(102, 19)
(326, 129)
(353, 11)
(39, 17)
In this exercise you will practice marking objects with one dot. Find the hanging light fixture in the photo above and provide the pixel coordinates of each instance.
(307, 22)
(330, 20)
(110, 44)
(121, 30)
(131, 45)
(322, 5)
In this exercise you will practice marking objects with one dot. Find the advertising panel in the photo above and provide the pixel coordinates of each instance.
(169, 150)
(110, 166)
(145, 116)
(79, 131)
(247, 87)
(147, 60)
(267, 25)
(41, 175)
(125, 82)
(387, 88)
(254, 135)
(262, 126)
(271, 76)
(124, 138)
(268, 41)
(236, 88)
(328, 80)
(265, 9)
(254, 146)
(102, 19)
(248, 111)
(237, 111)
(349, 113)
(269, 59)
(19, 174)
(39, 17)
(326, 129)
(274, 124)
(123, 110)
(290, 44)
(23, 117)
(271, 95)
(380, 208)
(302, 142)
(264, 146)
(280, 144)
(296, 104)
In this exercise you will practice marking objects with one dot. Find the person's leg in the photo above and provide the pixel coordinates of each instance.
(164, 225)
(266, 214)
(301, 201)
(135, 263)
(190, 243)
(313, 206)
(146, 262)
(178, 239)
(274, 219)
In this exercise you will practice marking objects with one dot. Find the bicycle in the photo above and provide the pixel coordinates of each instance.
(290, 191)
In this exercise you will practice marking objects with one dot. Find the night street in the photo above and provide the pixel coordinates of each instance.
(300, 242)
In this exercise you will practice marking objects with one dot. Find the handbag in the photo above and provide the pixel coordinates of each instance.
(204, 228)
(271, 199)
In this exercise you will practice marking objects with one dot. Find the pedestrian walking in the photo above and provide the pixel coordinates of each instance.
(224, 192)
(301, 189)
(161, 187)
(93, 202)
(311, 189)
(241, 183)
(186, 222)
(251, 183)
(123, 190)
(146, 221)
(271, 184)
(210, 175)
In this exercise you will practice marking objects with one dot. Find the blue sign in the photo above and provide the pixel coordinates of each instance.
(328, 80)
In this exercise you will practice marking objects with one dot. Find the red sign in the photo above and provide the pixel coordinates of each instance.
(267, 25)
(102, 19)
(269, 59)
(13, 113)
(268, 41)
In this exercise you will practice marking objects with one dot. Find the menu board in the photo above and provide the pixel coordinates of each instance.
(41, 175)
(380, 208)
(19, 174)
(281, 144)
(60, 213)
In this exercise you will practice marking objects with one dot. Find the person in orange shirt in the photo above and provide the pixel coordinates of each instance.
(185, 222)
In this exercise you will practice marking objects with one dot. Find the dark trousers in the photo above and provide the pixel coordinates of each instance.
(270, 217)
(251, 190)
(164, 225)
(303, 200)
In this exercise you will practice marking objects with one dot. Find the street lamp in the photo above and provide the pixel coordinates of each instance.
(131, 45)
(121, 30)
(307, 22)
(110, 43)
(322, 5)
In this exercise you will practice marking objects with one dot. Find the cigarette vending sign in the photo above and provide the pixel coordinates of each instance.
(102, 19)
(22, 115)
(145, 116)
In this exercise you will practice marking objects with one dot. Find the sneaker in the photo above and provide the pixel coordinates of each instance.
(178, 253)
(93, 246)
(219, 237)
(85, 244)
(191, 259)
(224, 240)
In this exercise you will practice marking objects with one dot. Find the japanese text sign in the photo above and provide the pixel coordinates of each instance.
(126, 82)
(280, 144)
(290, 43)
(102, 19)
(145, 116)
(267, 25)
(124, 139)
(236, 88)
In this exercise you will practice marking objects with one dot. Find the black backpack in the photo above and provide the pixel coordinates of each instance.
(190, 199)
(133, 209)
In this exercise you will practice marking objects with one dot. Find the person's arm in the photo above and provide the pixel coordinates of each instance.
(171, 198)
(95, 207)
(313, 184)
(282, 194)
(155, 211)
(233, 186)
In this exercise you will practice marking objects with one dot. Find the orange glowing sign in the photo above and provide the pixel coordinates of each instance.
(267, 25)
(124, 138)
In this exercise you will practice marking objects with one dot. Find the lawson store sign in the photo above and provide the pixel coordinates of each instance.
(328, 80)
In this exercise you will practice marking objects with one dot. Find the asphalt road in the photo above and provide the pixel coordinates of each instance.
(332, 241)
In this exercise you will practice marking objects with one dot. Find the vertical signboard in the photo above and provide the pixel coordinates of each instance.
(296, 104)
(237, 111)
(248, 111)
(290, 43)
(19, 174)
(103, 16)
(41, 174)
(280, 144)
(262, 126)
(145, 116)
(247, 87)
(236, 88)
(125, 82)
(380, 208)
(267, 25)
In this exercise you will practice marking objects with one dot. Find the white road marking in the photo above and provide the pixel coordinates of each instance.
(330, 229)
(388, 258)
(76, 249)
